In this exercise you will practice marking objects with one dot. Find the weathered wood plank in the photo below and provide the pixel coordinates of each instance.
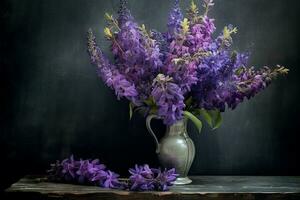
(203, 187)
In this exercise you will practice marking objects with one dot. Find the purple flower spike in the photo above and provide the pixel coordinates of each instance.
(111, 180)
(124, 13)
(90, 172)
(144, 178)
(108, 72)
(175, 18)
(169, 99)
(184, 69)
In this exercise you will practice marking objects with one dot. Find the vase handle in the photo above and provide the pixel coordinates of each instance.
(148, 125)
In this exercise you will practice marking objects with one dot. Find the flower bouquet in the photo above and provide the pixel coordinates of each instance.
(183, 73)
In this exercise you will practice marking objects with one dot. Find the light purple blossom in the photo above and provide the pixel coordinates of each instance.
(200, 36)
(109, 73)
(144, 178)
(111, 180)
(186, 62)
(84, 172)
(92, 172)
(137, 55)
(169, 99)
(175, 18)
(124, 14)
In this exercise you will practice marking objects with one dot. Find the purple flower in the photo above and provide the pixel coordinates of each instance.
(200, 36)
(98, 178)
(175, 18)
(91, 172)
(183, 74)
(141, 178)
(161, 40)
(84, 172)
(144, 171)
(158, 72)
(168, 98)
(164, 179)
(144, 178)
(95, 166)
(224, 80)
(215, 85)
(111, 180)
(137, 56)
(69, 166)
(109, 73)
(124, 13)
(241, 60)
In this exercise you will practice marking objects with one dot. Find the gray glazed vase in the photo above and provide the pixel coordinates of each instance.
(175, 149)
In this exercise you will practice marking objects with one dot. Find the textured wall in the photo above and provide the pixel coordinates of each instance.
(52, 103)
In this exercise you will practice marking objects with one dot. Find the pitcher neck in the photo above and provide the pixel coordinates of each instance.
(177, 128)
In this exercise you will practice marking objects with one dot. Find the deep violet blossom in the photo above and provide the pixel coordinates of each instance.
(109, 73)
(92, 172)
(202, 70)
(168, 98)
(144, 178)
(175, 19)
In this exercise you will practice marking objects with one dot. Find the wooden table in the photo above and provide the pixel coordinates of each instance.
(203, 188)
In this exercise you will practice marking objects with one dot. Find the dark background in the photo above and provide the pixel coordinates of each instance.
(53, 104)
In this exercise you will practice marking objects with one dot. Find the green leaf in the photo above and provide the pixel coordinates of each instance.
(239, 71)
(108, 16)
(130, 110)
(150, 101)
(218, 120)
(194, 119)
(185, 25)
(227, 32)
(188, 102)
(153, 110)
(212, 117)
(107, 32)
(193, 7)
(206, 116)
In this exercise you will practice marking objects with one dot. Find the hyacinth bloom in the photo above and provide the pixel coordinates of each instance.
(180, 73)
(92, 172)
(144, 178)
